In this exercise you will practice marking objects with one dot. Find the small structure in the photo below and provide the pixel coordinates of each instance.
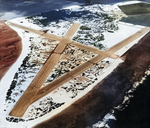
(102, 95)
(33, 93)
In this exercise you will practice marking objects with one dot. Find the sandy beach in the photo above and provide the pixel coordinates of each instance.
(102, 28)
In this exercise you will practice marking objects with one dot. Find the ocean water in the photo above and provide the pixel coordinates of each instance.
(114, 1)
(93, 25)
(12, 9)
(136, 113)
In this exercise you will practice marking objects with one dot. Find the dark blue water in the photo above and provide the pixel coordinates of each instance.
(114, 1)
(10, 9)
(137, 114)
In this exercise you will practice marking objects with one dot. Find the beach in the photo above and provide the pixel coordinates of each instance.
(111, 32)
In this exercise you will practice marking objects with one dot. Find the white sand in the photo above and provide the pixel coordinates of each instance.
(125, 30)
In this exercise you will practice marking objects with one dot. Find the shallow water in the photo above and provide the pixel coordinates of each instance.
(143, 19)
(137, 114)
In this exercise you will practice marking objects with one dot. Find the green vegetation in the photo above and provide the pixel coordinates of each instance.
(85, 28)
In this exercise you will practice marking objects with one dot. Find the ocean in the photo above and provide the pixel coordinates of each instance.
(136, 112)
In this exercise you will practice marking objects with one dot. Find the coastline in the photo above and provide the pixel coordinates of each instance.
(26, 43)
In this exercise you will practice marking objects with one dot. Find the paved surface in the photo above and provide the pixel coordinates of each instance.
(34, 90)
(93, 106)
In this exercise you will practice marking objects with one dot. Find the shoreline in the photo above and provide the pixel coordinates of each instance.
(27, 44)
